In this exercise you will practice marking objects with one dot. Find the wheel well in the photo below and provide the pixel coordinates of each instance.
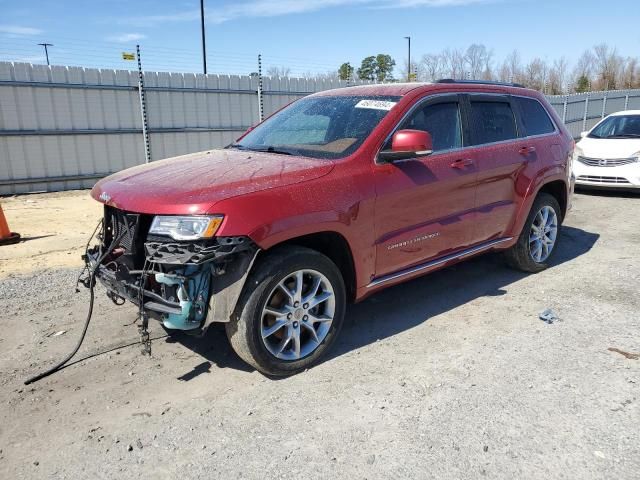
(334, 246)
(558, 189)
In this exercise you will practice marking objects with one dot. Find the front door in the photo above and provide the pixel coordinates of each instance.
(425, 206)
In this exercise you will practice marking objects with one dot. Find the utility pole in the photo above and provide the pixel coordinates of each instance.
(260, 101)
(204, 46)
(46, 52)
(409, 60)
(143, 109)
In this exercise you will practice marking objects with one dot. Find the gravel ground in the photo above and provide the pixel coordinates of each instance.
(449, 376)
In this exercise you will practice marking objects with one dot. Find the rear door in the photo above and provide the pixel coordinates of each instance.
(424, 206)
(500, 158)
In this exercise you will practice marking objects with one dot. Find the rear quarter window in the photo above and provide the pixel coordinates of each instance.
(535, 118)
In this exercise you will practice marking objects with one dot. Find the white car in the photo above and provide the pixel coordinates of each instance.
(609, 154)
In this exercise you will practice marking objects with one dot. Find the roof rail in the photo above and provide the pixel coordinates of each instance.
(481, 82)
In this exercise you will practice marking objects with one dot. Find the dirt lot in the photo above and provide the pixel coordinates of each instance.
(55, 227)
(448, 376)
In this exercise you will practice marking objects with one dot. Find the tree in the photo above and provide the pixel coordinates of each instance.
(630, 74)
(535, 74)
(431, 65)
(345, 71)
(583, 84)
(367, 70)
(379, 68)
(275, 71)
(514, 67)
(454, 63)
(558, 76)
(384, 67)
(607, 63)
(478, 60)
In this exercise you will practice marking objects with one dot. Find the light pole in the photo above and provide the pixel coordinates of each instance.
(204, 47)
(46, 52)
(409, 59)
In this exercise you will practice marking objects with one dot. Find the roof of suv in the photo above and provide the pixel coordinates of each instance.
(401, 89)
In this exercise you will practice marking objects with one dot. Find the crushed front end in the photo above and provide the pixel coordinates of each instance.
(173, 268)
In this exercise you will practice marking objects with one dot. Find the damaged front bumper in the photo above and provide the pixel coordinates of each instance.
(185, 285)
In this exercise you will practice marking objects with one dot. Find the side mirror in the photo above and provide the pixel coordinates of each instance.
(583, 134)
(408, 144)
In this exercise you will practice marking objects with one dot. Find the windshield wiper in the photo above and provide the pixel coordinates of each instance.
(269, 149)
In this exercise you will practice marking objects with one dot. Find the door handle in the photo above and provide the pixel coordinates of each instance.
(526, 150)
(462, 163)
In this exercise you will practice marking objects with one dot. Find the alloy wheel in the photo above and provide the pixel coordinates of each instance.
(298, 315)
(542, 237)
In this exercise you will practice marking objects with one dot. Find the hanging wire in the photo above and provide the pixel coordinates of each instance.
(71, 52)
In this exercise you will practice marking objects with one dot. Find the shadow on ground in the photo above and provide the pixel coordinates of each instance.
(603, 192)
(404, 306)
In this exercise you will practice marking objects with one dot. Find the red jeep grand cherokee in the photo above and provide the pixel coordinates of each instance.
(338, 195)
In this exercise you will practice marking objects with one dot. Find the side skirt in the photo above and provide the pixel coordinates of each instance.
(437, 262)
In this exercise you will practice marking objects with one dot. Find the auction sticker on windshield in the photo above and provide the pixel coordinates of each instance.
(375, 104)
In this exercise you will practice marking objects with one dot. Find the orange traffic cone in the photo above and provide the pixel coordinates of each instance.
(6, 235)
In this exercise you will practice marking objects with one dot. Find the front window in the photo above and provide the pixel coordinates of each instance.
(441, 121)
(618, 126)
(320, 127)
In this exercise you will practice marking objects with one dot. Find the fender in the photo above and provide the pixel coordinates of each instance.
(362, 253)
(342, 202)
(544, 176)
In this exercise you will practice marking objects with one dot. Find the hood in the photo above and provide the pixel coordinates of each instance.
(194, 183)
(609, 148)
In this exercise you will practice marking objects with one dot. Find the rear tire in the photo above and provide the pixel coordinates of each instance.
(539, 238)
(290, 311)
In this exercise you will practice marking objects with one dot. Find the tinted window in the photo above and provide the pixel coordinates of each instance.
(320, 127)
(442, 121)
(534, 117)
(492, 122)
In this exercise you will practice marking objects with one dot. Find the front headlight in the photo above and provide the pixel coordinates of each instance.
(577, 152)
(187, 227)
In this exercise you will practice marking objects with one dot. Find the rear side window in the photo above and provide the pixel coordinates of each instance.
(535, 118)
(492, 122)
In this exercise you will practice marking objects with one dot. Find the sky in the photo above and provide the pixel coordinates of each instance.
(305, 35)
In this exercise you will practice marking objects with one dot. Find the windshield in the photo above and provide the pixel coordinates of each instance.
(619, 126)
(319, 127)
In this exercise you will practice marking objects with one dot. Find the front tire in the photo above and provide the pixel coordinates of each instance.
(538, 241)
(290, 312)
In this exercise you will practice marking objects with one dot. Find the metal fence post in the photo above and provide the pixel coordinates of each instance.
(564, 109)
(626, 101)
(260, 103)
(604, 105)
(143, 109)
(586, 108)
